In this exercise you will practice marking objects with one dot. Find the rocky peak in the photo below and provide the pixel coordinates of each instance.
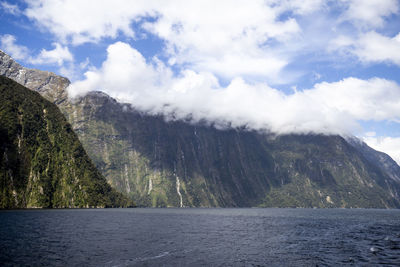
(48, 84)
(99, 98)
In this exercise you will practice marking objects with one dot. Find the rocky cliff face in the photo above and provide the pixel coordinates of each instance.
(48, 84)
(42, 163)
(159, 163)
(163, 163)
(382, 162)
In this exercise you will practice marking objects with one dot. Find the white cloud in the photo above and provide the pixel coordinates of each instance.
(256, 40)
(249, 44)
(389, 145)
(87, 21)
(374, 47)
(124, 74)
(304, 7)
(370, 13)
(9, 45)
(10, 8)
(370, 47)
(229, 45)
(326, 108)
(58, 55)
(93, 19)
(227, 38)
(373, 99)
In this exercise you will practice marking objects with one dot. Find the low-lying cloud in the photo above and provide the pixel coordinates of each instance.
(329, 108)
(391, 145)
(220, 60)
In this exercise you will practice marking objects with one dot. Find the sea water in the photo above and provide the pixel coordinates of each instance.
(200, 237)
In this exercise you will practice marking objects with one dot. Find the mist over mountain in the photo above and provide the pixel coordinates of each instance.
(326, 108)
(162, 162)
(286, 67)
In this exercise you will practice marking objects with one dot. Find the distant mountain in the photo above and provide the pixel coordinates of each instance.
(175, 163)
(42, 162)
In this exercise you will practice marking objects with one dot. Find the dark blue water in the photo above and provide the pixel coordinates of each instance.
(193, 237)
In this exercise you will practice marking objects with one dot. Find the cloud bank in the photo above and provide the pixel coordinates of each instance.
(391, 145)
(326, 108)
(223, 61)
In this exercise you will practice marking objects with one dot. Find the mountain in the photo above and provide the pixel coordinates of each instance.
(176, 163)
(49, 85)
(42, 162)
(382, 161)
(162, 163)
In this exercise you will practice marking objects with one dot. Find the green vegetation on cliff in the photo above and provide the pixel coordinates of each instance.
(163, 163)
(42, 162)
(160, 163)
(326, 171)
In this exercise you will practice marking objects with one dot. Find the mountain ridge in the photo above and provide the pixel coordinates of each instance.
(173, 163)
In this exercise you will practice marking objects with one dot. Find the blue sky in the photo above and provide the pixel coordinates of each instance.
(287, 66)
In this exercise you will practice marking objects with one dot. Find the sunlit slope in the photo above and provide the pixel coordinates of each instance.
(42, 162)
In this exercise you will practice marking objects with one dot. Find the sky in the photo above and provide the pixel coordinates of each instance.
(289, 66)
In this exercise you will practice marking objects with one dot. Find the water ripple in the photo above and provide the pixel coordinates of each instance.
(196, 237)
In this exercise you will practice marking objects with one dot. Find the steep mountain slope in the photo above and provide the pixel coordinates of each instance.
(42, 163)
(152, 160)
(381, 161)
(159, 163)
